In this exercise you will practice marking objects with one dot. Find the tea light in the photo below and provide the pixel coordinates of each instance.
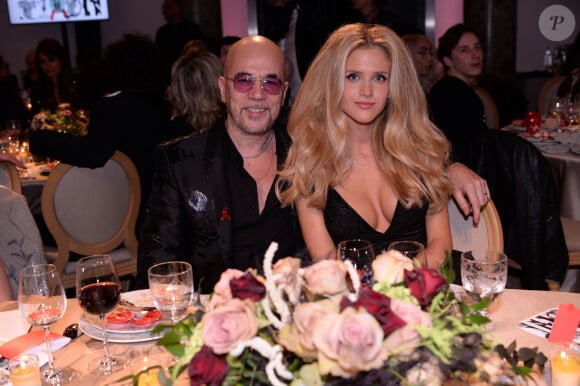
(25, 370)
(565, 365)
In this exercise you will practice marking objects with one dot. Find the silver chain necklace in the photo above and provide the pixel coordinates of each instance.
(265, 147)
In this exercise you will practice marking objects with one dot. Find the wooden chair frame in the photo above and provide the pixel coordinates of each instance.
(67, 244)
(13, 176)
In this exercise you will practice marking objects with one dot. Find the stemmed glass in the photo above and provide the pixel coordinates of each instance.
(361, 254)
(484, 275)
(411, 249)
(42, 301)
(171, 285)
(98, 292)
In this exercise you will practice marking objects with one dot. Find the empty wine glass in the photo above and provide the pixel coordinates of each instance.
(98, 292)
(361, 254)
(171, 286)
(484, 275)
(411, 249)
(42, 301)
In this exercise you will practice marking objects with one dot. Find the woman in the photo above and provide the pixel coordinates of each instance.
(195, 99)
(366, 161)
(424, 59)
(55, 84)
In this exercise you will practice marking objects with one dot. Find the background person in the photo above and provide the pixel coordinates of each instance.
(424, 59)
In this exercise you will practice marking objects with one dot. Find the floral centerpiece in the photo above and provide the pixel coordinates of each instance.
(65, 120)
(320, 325)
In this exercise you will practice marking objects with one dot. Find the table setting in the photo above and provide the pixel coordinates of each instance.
(287, 322)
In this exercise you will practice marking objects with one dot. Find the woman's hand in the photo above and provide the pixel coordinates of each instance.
(470, 190)
(13, 160)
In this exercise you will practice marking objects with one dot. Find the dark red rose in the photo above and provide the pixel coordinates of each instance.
(207, 368)
(378, 305)
(424, 284)
(247, 287)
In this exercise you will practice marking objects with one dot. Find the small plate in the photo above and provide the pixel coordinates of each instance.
(95, 332)
(514, 129)
(556, 148)
(575, 149)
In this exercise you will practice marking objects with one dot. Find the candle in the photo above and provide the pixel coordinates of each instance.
(565, 366)
(24, 370)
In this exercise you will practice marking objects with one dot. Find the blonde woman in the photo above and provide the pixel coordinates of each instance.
(366, 161)
(424, 59)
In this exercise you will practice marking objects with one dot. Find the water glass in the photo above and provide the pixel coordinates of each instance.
(484, 275)
(171, 286)
(361, 254)
(411, 249)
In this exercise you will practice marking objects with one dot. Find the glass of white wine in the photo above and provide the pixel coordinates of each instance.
(484, 275)
(411, 249)
(171, 286)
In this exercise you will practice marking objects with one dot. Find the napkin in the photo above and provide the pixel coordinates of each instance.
(33, 343)
(13, 325)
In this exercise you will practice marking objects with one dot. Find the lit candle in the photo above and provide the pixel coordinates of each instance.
(25, 371)
(565, 366)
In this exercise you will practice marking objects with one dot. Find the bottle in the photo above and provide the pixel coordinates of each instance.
(548, 57)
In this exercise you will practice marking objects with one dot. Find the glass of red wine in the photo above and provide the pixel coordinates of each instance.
(98, 292)
(42, 301)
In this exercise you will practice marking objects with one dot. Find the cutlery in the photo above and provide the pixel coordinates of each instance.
(127, 304)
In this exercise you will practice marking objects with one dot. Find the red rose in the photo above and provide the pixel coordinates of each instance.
(379, 306)
(424, 284)
(207, 368)
(247, 287)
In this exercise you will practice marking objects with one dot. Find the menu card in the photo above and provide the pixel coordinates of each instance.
(541, 324)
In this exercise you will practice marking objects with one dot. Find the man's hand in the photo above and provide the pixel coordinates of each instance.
(470, 190)
(12, 160)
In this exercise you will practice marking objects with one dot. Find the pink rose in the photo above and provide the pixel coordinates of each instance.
(222, 291)
(406, 339)
(231, 323)
(326, 277)
(390, 266)
(285, 272)
(348, 343)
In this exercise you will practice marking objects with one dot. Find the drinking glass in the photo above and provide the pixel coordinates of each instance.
(411, 249)
(484, 275)
(171, 286)
(98, 292)
(361, 254)
(42, 301)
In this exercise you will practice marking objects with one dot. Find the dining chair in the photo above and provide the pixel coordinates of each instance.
(466, 235)
(572, 235)
(490, 108)
(9, 177)
(93, 211)
(548, 92)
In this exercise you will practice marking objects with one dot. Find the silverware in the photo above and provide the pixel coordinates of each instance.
(72, 331)
(127, 304)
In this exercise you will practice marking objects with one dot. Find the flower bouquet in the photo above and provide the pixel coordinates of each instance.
(319, 325)
(64, 120)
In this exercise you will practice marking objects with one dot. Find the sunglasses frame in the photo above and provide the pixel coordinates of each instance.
(264, 83)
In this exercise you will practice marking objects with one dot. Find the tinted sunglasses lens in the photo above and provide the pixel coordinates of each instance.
(243, 83)
(272, 86)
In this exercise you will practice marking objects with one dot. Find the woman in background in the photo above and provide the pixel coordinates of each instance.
(424, 59)
(366, 162)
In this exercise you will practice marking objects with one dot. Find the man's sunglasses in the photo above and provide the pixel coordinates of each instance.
(244, 83)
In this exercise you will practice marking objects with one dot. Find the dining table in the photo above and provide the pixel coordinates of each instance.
(512, 307)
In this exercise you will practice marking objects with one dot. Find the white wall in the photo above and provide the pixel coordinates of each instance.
(126, 16)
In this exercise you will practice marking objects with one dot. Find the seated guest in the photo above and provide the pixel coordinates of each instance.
(455, 107)
(130, 118)
(424, 59)
(11, 104)
(195, 99)
(366, 162)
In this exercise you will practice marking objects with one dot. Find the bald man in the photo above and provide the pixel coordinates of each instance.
(212, 202)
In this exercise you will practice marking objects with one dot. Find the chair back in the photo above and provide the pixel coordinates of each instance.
(93, 211)
(466, 235)
(490, 108)
(548, 93)
(9, 177)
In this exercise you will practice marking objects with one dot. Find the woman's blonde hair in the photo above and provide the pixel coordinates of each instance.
(427, 81)
(194, 92)
(410, 151)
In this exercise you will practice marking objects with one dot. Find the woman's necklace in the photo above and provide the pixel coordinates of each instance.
(364, 161)
(265, 147)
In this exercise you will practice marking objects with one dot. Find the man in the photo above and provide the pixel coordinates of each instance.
(212, 201)
(172, 36)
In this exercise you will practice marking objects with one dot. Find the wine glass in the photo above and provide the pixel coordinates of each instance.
(98, 292)
(411, 249)
(171, 285)
(42, 301)
(484, 275)
(361, 254)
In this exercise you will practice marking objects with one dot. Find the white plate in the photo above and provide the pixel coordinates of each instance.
(539, 140)
(575, 149)
(95, 332)
(514, 129)
(556, 148)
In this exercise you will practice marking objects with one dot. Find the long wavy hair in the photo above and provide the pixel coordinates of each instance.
(194, 93)
(52, 49)
(411, 152)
